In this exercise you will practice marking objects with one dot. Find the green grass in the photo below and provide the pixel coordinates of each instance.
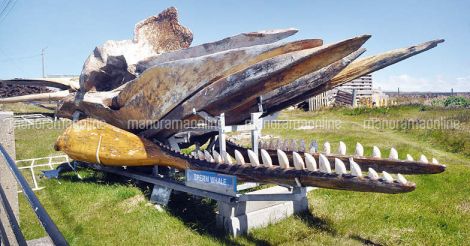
(106, 210)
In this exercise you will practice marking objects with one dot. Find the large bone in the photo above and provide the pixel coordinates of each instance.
(113, 63)
(97, 142)
(234, 42)
(159, 89)
(42, 97)
(355, 70)
(245, 86)
(281, 95)
(378, 164)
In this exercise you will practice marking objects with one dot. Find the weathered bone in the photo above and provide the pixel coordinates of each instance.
(230, 43)
(42, 97)
(357, 69)
(409, 157)
(145, 152)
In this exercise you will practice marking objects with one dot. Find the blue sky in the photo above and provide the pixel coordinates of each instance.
(71, 29)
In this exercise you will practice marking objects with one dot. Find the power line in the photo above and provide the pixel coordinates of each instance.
(8, 11)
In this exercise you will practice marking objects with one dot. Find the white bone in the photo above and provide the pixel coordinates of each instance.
(393, 154)
(324, 164)
(208, 156)
(359, 150)
(401, 179)
(266, 158)
(312, 150)
(342, 148)
(282, 158)
(254, 161)
(423, 158)
(227, 158)
(239, 158)
(434, 161)
(387, 177)
(327, 148)
(200, 155)
(376, 152)
(409, 157)
(298, 161)
(340, 168)
(355, 168)
(217, 157)
(373, 174)
(310, 162)
(194, 154)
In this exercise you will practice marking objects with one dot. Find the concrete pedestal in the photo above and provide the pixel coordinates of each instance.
(7, 180)
(238, 218)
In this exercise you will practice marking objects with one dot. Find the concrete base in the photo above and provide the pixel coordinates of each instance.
(239, 218)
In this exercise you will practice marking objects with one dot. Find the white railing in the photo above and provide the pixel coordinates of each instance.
(39, 164)
(31, 119)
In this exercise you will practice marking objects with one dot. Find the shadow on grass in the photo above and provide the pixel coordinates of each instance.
(324, 225)
(199, 214)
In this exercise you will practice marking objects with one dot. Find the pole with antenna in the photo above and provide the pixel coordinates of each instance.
(43, 55)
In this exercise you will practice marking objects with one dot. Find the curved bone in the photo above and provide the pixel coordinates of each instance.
(254, 161)
(355, 70)
(42, 97)
(298, 161)
(144, 152)
(235, 42)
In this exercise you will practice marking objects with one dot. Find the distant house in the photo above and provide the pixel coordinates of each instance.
(356, 92)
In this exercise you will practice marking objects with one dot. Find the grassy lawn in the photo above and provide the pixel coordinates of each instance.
(106, 210)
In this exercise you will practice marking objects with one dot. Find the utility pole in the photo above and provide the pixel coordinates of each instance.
(43, 54)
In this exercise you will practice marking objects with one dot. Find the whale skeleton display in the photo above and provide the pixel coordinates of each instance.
(157, 77)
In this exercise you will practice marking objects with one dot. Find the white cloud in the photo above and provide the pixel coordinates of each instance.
(437, 83)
